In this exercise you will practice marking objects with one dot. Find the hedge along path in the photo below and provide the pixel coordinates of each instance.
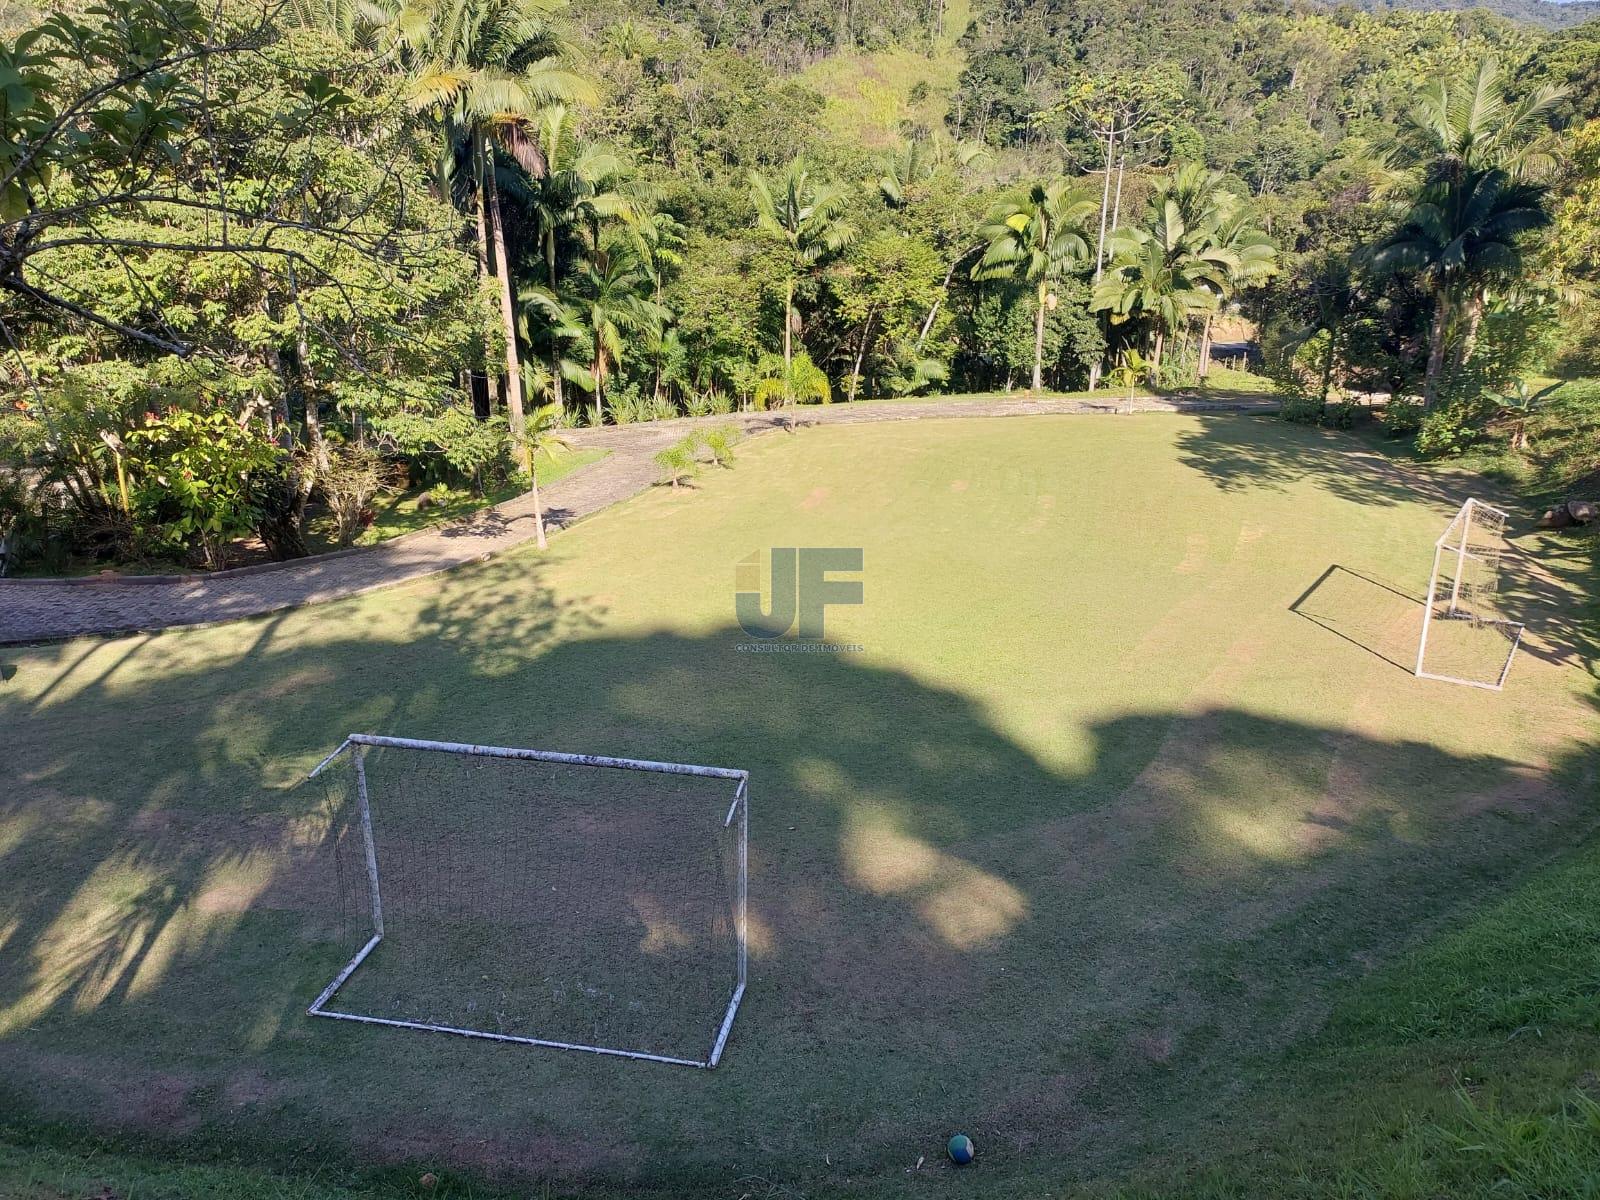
(43, 610)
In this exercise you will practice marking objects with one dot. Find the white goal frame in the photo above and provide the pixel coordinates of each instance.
(738, 810)
(1460, 529)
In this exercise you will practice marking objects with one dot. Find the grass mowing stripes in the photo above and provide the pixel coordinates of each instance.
(1078, 854)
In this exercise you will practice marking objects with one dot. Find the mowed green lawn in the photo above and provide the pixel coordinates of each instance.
(1077, 855)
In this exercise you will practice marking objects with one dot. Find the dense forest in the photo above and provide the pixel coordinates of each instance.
(259, 261)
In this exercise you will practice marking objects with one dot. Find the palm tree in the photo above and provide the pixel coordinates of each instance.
(544, 437)
(1461, 236)
(1164, 274)
(1465, 168)
(1465, 125)
(1249, 257)
(1217, 218)
(575, 191)
(919, 162)
(485, 69)
(808, 219)
(1039, 239)
(613, 299)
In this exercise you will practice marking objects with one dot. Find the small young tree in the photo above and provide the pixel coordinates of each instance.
(678, 462)
(721, 441)
(544, 438)
(781, 382)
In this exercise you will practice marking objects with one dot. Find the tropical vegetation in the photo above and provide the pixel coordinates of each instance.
(379, 236)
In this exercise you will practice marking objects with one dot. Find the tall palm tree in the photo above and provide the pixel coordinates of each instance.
(1465, 125)
(1038, 238)
(1165, 274)
(613, 300)
(1219, 230)
(808, 219)
(485, 69)
(1464, 169)
(575, 192)
(1460, 237)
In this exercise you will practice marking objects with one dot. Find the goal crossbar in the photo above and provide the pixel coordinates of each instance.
(738, 810)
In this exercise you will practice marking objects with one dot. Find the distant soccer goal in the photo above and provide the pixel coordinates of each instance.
(570, 901)
(1467, 635)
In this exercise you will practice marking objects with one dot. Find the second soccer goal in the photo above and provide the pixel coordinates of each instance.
(579, 902)
(1468, 635)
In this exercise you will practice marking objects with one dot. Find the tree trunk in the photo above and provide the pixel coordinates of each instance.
(538, 509)
(599, 372)
(321, 462)
(1155, 357)
(555, 350)
(788, 322)
(1038, 341)
(933, 310)
(1469, 336)
(788, 339)
(1327, 365)
(1430, 379)
(1116, 204)
(1105, 198)
(861, 353)
(481, 223)
(1205, 346)
(508, 317)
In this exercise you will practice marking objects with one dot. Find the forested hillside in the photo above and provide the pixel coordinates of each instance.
(1552, 14)
(406, 242)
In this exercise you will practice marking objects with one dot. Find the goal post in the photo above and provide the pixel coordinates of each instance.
(1467, 636)
(572, 901)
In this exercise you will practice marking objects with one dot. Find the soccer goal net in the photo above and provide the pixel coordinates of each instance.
(1467, 635)
(571, 901)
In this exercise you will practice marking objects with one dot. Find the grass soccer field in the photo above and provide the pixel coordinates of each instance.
(1127, 789)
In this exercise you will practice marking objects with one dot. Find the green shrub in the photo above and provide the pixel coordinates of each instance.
(1443, 432)
(627, 406)
(30, 527)
(1342, 415)
(198, 478)
(1300, 409)
(713, 402)
(1177, 373)
(1401, 417)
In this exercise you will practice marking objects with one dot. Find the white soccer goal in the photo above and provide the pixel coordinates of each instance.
(566, 900)
(1467, 637)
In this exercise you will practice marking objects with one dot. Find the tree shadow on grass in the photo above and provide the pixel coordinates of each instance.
(1076, 965)
(1251, 453)
(1548, 580)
